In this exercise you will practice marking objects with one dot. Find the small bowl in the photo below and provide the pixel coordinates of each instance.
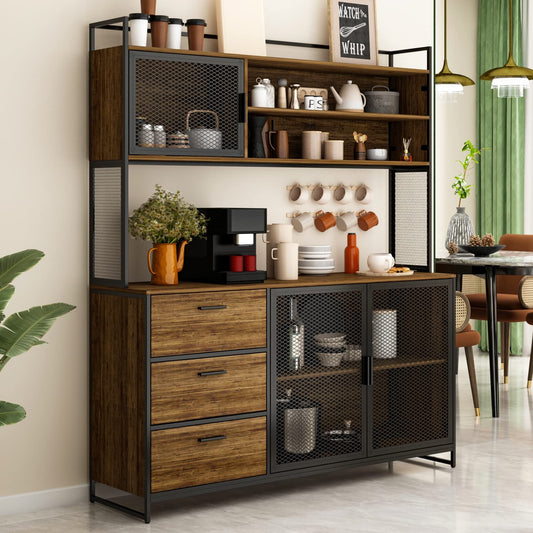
(330, 358)
(481, 251)
(329, 337)
(377, 154)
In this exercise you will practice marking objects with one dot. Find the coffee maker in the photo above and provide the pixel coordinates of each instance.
(230, 232)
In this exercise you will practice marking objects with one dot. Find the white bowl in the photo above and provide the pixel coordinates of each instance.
(315, 255)
(332, 344)
(377, 154)
(330, 358)
(329, 337)
(353, 352)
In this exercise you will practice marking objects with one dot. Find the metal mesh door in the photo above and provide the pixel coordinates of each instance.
(186, 105)
(317, 376)
(410, 344)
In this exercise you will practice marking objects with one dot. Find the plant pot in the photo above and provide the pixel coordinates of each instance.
(164, 263)
(460, 228)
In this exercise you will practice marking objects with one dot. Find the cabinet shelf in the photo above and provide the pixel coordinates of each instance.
(336, 115)
(351, 368)
(173, 159)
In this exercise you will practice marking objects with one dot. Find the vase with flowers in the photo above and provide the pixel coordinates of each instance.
(170, 223)
(461, 228)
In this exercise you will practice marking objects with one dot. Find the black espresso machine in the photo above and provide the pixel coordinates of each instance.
(230, 232)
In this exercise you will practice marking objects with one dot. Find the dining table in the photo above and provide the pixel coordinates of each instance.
(499, 263)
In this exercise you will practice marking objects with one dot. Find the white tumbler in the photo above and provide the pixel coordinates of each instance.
(174, 33)
(138, 29)
(384, 334)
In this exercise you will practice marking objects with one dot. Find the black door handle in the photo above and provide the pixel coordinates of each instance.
(209, 307)
(209, 439)
(212, 373)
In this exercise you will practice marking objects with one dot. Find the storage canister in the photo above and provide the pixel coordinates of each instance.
(386, 101)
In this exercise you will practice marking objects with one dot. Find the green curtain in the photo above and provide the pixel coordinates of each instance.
(500, 123)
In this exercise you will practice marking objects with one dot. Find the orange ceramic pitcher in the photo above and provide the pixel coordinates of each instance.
(166, 262)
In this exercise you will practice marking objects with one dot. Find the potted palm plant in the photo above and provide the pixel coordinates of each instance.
(21, 331)
(170, 223)
(461, 228)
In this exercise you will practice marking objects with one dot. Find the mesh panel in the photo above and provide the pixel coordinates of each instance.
(318, 397)
(410, 347)
(411, 218)
(176, 93)
(107, 223)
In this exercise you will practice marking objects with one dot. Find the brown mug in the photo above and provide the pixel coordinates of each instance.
(148, 6)
(280, 147)
(367, 220)
(325, 221)
(195, 33)
(159, 28)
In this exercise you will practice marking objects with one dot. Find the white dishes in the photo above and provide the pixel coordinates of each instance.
(315, 259)
(331, 340)
(330, 358)
(377, 154)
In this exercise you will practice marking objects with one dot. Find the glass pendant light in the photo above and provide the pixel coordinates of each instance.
(511, 79)
(449, 86)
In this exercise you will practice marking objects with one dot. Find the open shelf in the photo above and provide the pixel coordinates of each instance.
(338, 115)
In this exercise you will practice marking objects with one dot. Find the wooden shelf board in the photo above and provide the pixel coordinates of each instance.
(299, 64)
(338, 115)
(274, 161)
(379, 365)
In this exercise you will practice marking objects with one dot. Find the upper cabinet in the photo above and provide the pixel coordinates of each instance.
(154, 104)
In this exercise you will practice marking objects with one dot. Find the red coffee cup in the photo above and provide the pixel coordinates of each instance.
(236, 263)
(249, 263)
(367, 220)
(325, 221)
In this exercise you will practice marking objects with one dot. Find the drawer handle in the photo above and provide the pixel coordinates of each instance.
(209, 307)
(209, 439)
(212, 373)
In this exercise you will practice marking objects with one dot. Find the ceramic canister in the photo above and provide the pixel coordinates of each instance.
(285, 256)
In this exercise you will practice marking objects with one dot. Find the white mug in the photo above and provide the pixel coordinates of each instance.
(345, 221)
(311, 144)
(299, 194)
(285, 257)
(343, 194)
(380, 262)
(321, 194)
(302, 222)
(334, 149)
(278, 233)
(363, 194)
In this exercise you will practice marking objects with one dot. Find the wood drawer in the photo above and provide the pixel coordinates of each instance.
(202, 388)
(208, 322)
(180, 459)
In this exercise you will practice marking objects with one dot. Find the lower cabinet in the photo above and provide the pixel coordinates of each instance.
(317, 378)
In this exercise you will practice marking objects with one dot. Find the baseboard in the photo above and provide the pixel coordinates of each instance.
(30, 502)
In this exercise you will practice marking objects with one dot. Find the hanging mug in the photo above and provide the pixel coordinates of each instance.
(302, 221)
(367, 220)
(324, 221)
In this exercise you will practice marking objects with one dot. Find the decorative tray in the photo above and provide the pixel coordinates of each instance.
(391, 274)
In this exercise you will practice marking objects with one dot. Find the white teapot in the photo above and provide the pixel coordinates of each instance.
(350, 97)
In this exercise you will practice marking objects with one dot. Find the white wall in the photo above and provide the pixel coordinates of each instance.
(455, 122)
(44, 203)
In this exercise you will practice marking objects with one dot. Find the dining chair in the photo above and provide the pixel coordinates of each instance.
(514, 299)
(529, 320)
(466, 337)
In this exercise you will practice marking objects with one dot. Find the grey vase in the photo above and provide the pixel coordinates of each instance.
(460, 228)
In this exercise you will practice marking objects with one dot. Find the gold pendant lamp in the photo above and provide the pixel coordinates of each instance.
(447, 84)
(511, 79)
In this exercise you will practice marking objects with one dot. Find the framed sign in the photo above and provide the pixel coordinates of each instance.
(352, 31)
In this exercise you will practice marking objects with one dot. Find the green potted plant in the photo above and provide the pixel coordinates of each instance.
(21, 331)
(170, 223)
(461, 228)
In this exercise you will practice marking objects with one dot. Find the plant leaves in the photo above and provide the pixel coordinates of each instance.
(23, 330)
(13, 265)
(11, 413)
(6, 293)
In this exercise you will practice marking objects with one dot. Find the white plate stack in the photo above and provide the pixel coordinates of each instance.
(315, 259)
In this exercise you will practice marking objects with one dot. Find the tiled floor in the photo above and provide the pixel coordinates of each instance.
(490, 490)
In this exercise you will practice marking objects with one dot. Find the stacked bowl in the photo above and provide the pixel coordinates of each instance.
(331, 348)
(315, 259)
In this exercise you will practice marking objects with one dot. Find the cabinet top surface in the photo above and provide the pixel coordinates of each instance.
(302, 281)
(295, 64)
